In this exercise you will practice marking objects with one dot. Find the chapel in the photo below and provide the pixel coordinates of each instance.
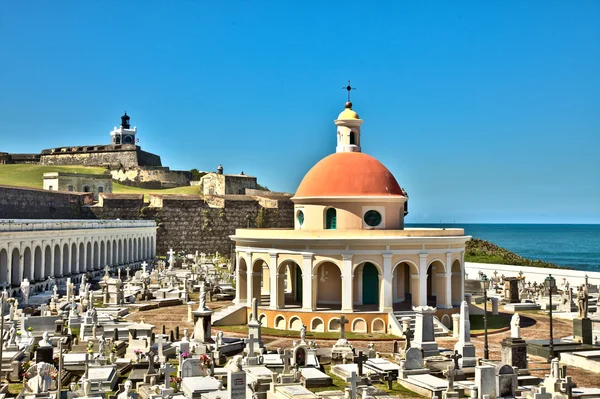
(349, 252)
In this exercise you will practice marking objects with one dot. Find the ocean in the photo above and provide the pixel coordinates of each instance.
(576, 246)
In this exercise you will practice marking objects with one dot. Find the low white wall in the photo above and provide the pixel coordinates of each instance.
(574, 277)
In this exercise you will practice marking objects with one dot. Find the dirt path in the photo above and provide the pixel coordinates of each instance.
(534, 326)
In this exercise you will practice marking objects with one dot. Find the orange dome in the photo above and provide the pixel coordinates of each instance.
(348, 174)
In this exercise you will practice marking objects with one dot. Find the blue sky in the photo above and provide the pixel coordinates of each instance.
(485, 111)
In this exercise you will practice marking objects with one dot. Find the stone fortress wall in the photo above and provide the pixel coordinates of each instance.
(112, 155)
(152, 177)
(185, 222)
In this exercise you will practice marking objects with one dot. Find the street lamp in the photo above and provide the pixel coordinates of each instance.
(485, 283)
(550, 285)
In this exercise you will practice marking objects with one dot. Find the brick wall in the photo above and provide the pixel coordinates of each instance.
(31, 203)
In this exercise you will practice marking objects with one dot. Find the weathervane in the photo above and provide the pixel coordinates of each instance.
(349, 88)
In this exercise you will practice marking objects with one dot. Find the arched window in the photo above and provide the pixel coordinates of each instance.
(330, 216)
(352, 138)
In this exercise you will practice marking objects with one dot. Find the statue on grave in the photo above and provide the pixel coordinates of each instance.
(202, 297)
(25, 286)
(186, 336)
(449, 374)
(12, 336)
(515, 326)
(101, 345)
(45, 341)
(303, 333)
(582, 301)
(220, 338)
(236, 363)
(42, 381)
(126, 394)
(55, 291)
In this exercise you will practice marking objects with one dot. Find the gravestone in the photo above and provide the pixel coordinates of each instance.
(511, 289)
(506, 381)
(514, 348)
(413, 359)
(464, 345)
(485, 381)
(424, 331)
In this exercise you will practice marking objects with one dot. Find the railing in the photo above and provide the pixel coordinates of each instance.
(50, 224)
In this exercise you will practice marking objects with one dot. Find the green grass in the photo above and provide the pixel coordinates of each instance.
(494, 322)
(316, 335)
(32, 176)
(14, 389)
(340, 384)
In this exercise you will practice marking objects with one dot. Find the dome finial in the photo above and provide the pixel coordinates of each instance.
(349, 88)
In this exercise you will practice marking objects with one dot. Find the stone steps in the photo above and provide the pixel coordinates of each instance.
(439, 329)
(224, 312)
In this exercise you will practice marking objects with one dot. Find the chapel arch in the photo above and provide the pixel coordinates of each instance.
(327, 292)
(66, 259)
(102, 260)
(456, 283)
(88, 257)
(15, 267)
(3, 265)
(27, 264)
(261, 281)
(37, 264)
(366, 285)
(56, 262)
(436, 283)
(48, 266)
(119, 259)
(81, 258)
(289, 284)
(404, 274)
(242, 281)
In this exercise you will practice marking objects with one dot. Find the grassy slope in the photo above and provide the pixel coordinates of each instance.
(482, 251)
(32, 176)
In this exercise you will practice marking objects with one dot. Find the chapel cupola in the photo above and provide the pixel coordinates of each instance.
(123, 134)
(348, 131)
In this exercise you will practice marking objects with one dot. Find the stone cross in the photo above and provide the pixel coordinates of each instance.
(359, 360)
(586, 280)
(390, 380)
(251, 341)
(568, 385)
(167, 369)
(119, 273)
(520, 273)
(144, 266)
(449, 374)
(455, 358)
(343, 322)
(353, 379)
(286, 356)
(127, 269)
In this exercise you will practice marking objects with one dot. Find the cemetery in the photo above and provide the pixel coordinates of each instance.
(107, 337)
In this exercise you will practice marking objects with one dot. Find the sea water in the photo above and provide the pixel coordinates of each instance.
(576, 246)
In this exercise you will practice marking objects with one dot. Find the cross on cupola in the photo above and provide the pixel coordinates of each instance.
(348, 122)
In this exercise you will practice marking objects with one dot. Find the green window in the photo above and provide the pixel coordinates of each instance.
(330, 219)
(300, 218)
(372, 218)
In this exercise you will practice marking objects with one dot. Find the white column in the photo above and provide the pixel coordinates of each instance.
(433, 280)
(386, 304)
(395, 287)
(249, 280)
(359, 285)
(462, 276)
(307, 283)
(239, 279)
(43, 260)
(422, 279)
(347, 283)
(448, 279)
(273, 277)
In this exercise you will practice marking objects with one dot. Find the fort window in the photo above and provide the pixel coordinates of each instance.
(352, 138)
(70, 188)
(50, 188)
(86, 189)
(100, 189)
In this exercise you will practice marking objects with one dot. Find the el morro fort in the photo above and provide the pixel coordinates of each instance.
(187, 222)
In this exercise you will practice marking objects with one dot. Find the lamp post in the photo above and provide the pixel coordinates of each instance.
(485, 283)
(550, 284)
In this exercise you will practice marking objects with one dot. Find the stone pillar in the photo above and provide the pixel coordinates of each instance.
(448, 279)
(422, 279)
(424, 332)
(249, 283)
(485, 381)
(239, 279)
(347, 283)
(307, 283)
(202, 323)
(274, 289)
(405, 323)
(455, 325)
(464, 345)
(386, 302)
(494, 306)
(415, 288)
(468, 298)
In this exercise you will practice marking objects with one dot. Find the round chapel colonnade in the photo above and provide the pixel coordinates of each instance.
(42, 249)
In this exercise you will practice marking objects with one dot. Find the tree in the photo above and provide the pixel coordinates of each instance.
(196, 174)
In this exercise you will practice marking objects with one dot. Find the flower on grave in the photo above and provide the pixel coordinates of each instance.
(186, 355)
(19, 333)
(205, 360)
(113, 350)
(137, 351)
(175, 379)
(29, 328)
